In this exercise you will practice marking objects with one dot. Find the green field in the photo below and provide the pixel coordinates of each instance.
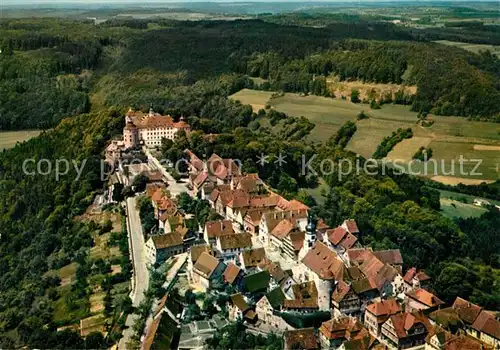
(8, 139)
(471, 47)
(449, 137)
(455, 204)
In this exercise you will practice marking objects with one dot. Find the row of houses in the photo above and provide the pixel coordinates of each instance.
(373, 303)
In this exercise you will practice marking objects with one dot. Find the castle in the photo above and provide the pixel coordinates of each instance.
(149, 129)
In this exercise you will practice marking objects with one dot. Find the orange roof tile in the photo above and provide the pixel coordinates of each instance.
(467, 311)
(217, 228)
(283, 228)
(324, 262)
(206, 264)
(487, 323)
(336, 235)
(342, 328)
(424, 297)
(384, 307)
(232, 271)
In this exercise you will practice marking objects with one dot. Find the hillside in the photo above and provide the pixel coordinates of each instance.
(46, 75)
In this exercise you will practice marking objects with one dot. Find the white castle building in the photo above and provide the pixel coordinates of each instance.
(149, 129)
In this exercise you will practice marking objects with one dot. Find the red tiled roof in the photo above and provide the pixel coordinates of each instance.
(283, 228)
(424, 297)
(324, 262)
(355, 254)
(371, 265)
(487, 323)
(343, 328)
(340, 291)
(217, 228)
(297, 239)
(403, 322)
(336, 235)
(384, 307)
(391, 256)
(349, 241)
(232, 271)
(467, 311)
(352, 226)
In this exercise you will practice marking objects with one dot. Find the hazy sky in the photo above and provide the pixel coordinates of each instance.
(138, 2)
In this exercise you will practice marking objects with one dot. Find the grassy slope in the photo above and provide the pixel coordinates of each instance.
(448, 137)
(8, 139)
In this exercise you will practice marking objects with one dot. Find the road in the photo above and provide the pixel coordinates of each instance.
(140, 280)
(174, 187)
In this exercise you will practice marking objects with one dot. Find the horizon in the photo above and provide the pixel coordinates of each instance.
(135, 2)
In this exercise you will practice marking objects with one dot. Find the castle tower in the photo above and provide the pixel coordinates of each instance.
(310, 236)
(130, 134)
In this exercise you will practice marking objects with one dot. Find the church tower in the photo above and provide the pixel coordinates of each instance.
(310, 236)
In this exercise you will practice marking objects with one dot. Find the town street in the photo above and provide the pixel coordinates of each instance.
(174, 187)
(140, 280)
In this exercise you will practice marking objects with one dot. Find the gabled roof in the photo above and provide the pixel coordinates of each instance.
(349, 241)
(217, 228)
(424, 297)
(419, 276)
(391, 256)
(340, 291)
(197, 250)
(446, 318)
(283, 228)
(324, 262)
(275, 298)
(306, 296)
(166, 241)
(231, 273)
(363, 285)
(351, 226)
(297, 239)
(341, 328)
(274, 269)
(336, 235)
(273, 218)
(467, 311)
(384, 308)
(253, 257)
(487, 323)
(404, 322)
(386, 274)
(238, 301)
(206, 264)
(304, 338)
(256, 282)
(235, 241)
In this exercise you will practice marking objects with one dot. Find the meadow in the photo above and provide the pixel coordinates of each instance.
(449, 137)
(472, 47)
(8, 139)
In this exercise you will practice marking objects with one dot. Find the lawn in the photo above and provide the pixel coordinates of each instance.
(255, 98)
(452, 208)
(8, 139)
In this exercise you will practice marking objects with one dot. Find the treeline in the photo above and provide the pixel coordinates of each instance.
(37, 227)
(389, 142)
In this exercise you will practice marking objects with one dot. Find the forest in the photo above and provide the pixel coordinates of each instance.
(92, 73)
(52, 68)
